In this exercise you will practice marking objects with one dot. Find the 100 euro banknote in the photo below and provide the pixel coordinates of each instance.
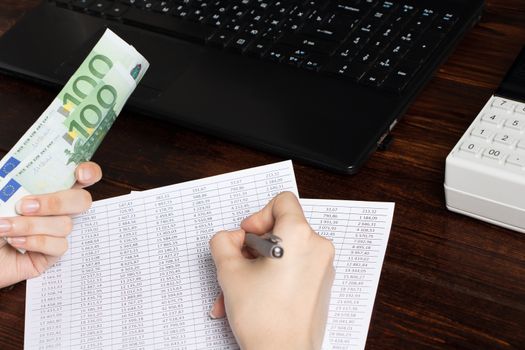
(73, 126)
(107, 52)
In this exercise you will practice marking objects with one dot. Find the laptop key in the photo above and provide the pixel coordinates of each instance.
(316, 4)
(357, 39)
(181, 11)
(355, 71)
(387, 7)
(378, 43)
(347, 52)
(337, 66)
(196, 15)
(367, 57)
(239, 43)
(349, 9)
(116, 11)
(397, 50)
(99, 7)
(386, 33)
(399, 77)
(374, 77)
(278, 52)
(221, 38)
(313, 62)
(348, 2)
(259, 47)
(408, 38)
(82, 4)
(294, 60)
(423, 48)
(342, 21)
(313, 44)
(328, 33)
(301, 53)
(385, 63)
(233, 24)
(422, 22)
(215, 20)
(162, 7)
(136, 3)
(445, 22)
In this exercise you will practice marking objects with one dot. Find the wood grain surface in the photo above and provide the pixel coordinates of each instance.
(448, 281)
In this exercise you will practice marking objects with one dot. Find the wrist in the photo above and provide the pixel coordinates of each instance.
(290, 342)
(285, 345)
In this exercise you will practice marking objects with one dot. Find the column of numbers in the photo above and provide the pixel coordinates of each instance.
(271, 184)
(90, 276)
(53, 305)
(203, 217)
(169, 272)
(356, 277)
(239, 199)
(131, 322)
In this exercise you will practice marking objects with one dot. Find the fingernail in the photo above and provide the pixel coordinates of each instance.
(26, 206)
(212, 315)
(5, 225)
(16, 241)
(84, 174)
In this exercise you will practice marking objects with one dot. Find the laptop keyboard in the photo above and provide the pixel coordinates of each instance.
(381, 44)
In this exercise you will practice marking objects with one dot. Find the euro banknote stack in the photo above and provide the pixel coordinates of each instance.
(70, 130)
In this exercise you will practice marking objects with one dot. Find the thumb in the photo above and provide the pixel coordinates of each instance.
(87, 174)
(226, 246)
(218, 309)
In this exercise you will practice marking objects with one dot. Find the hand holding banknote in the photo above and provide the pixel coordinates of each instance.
(70, 130)
(42, 227)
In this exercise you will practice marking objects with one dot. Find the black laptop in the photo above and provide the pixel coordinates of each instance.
(319, 81)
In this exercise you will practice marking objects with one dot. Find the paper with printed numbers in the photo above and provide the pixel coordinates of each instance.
(139, 274)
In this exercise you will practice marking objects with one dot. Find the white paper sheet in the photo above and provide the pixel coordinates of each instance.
(138, 273)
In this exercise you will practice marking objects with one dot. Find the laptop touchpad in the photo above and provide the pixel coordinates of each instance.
(169, 58)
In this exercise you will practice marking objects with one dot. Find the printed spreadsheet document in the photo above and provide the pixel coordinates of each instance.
(139, 275)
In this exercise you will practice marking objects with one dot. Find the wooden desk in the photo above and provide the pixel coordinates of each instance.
(448, 281)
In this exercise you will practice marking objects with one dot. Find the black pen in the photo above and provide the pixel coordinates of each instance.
(266, 245)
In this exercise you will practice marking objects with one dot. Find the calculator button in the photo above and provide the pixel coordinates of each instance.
(521, 144)
(505, 139)
(503, 103)
(494, 153)
(516, 159)
(470, 147)
(483, 133)
(492, 118)
(516, 124)
(520, 108)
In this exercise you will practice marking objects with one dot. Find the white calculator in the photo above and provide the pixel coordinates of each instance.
(485, 171)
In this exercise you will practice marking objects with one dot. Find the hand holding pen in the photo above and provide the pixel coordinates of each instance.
(264, 245)
(265, 296)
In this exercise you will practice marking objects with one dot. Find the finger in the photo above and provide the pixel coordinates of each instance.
(58, 226)
(226, 246)
(48, 245)
(87, 174)
(218, 309)
(66, 202)
(250, 253)
(283, 208)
